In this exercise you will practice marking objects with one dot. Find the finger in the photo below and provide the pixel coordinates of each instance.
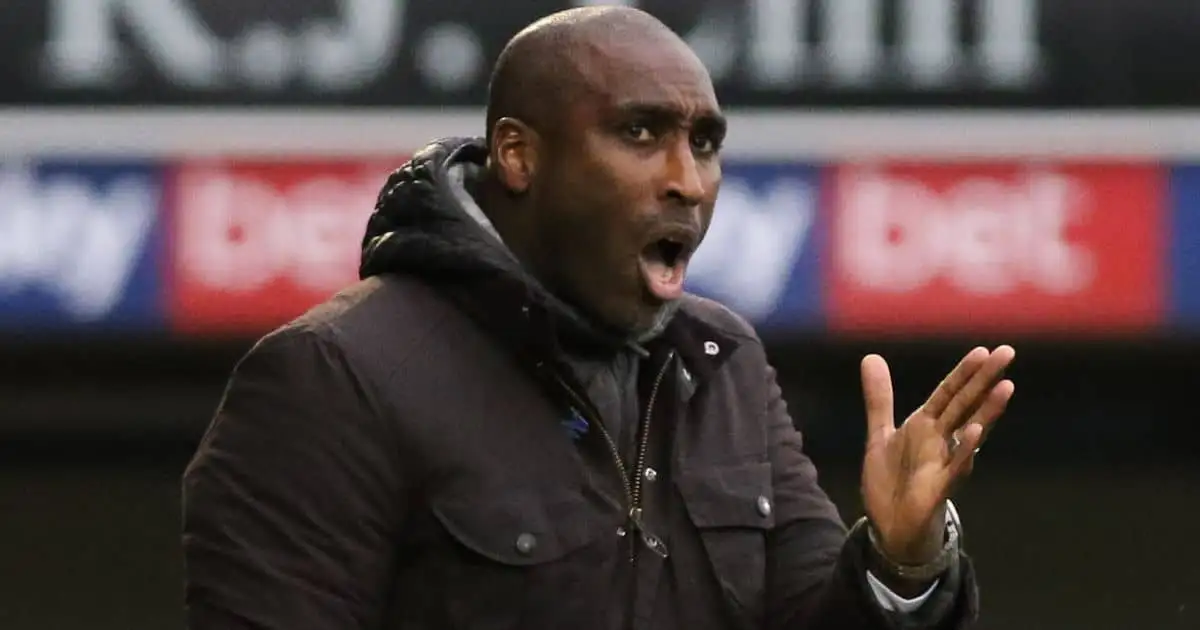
(954, 381)
(977, 405)
(977, 388)
(961, 474)
(877, 393)
(981, 423)
(963, 457)
(993, 406)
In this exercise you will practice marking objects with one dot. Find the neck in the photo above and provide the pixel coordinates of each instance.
(508, 218)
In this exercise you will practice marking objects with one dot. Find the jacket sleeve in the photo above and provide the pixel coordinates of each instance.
(817, 571)
(292, 500)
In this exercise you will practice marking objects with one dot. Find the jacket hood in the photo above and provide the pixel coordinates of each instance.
(427, 223)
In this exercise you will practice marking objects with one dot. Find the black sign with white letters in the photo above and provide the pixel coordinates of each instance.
(811, 53)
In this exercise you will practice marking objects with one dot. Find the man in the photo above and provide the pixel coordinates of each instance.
(518, 419)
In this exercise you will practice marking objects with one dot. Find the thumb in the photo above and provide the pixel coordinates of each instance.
(877, 392)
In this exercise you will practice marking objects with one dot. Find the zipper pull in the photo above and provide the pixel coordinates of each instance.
(635, 518)
(652, 542)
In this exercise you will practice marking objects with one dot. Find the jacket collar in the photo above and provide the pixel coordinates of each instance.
(703, 348)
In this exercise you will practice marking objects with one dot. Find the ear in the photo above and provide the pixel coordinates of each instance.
(514, 151)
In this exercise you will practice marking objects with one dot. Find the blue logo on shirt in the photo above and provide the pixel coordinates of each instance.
(576, 425)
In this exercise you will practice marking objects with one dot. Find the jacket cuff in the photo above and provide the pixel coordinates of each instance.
(952, 605)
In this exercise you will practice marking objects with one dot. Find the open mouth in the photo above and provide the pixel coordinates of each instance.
(663, 266)
(668, 251)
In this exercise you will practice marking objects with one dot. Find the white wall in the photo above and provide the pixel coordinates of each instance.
(766, 134)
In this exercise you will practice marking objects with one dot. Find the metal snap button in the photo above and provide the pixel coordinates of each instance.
(651, 474)
(526, 543)
(711, 348)
(764, 506)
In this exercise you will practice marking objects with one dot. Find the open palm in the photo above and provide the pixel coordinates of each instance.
(909, 471)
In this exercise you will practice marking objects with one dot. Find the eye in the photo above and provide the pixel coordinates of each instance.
(705, 144)
(639, 132)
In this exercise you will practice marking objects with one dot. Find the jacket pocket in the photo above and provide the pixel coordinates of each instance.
(518, 557)
(732, 507)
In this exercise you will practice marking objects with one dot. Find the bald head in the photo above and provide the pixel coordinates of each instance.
(603, 135)
(549, 64)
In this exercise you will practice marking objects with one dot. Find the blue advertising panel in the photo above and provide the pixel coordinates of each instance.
(80, 246)
(1185, 246)
(761, 254)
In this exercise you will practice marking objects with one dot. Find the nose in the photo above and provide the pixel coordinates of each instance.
(683, 184)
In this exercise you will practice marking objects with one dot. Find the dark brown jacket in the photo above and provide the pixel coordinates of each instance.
(446, 445)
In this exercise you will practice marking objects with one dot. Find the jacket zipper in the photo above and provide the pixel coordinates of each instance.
(632, 485)
(652, 542)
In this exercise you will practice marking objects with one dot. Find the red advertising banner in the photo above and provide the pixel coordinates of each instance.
(1003, 248)
(256, 243)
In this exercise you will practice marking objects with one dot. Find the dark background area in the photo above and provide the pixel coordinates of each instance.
(1081, 512)
(1093, 54)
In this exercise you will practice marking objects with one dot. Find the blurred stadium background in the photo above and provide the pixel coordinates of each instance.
(905, 176)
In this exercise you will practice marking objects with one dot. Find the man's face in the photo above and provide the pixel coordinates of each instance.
(626, 192)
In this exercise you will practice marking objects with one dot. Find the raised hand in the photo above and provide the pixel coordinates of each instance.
(909, 471)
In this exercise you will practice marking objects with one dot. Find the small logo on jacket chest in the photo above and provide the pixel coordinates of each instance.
(575, 425)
